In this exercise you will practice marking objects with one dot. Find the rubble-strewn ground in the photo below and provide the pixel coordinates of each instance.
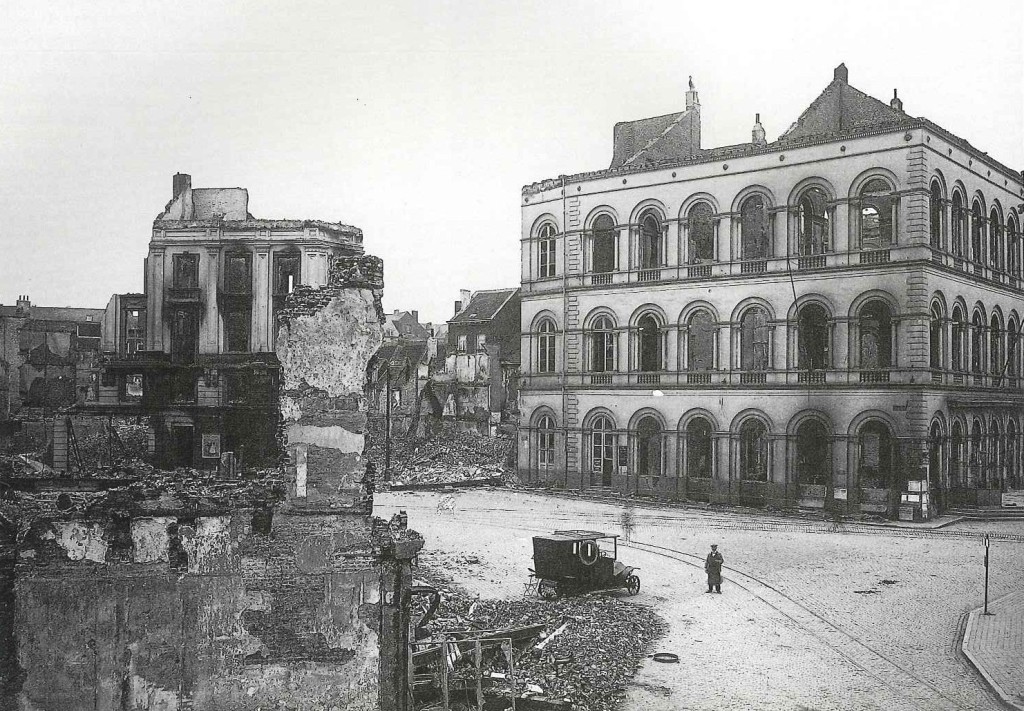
(445, 456)
(599, 639)
(861, 617)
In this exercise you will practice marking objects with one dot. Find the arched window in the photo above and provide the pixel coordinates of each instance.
(977, 343)
(977, 234)
(814, 222)
(602, 345)
(754, 228)
(876, 455)
(957, 457)
(754, 339)
(700, 341)
(813, 458)
(603, 441)
(959, 218)
(935, 215)
(1013, 474)
(649, 344)
(812, 338)
(935, 452)
(1012, 364)
(995, 349)
(995, 241)
(700, 230)
(604, 245)
(935, 337)
(754, 450)
(1012, 249)
(875, 335)
(546, 241)
(977, 462)
(877, 208)
(650, 241)
(958, 349)
(648, 450)
(997, 455)
(546, 442)
(699, 449)
(546, 347)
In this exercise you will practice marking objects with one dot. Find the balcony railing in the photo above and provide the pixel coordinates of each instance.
(874, 376)
(699, 271)
(811, 376)
(601, 279)
(698, 378)
(875, 256)
(601, 379)
(754, 266)
(648, 378)
(753, 378)
(815, 261)
(649, 275)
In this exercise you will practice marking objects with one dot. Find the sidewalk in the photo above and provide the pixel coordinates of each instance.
(995, 646)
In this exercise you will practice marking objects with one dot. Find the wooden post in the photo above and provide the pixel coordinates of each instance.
(478, 660)
(444, 676)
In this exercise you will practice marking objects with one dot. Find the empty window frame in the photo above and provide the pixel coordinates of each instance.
(134, 331)
(238, 273)
(977, 343)
(753, 443)
(649, 447)
(935, 337)
(754, 228)
(650, 240)
(649, 344)
(977, 233)
(813, 462)
(814, 223)
(604, 245)
(237, 329)
(958, 217)
(875, 324)
(546, 347)
(462, 343)
(754, 339)
(699, 449)
(958, 345)
(813, 342)
(287, 271)
(935, 214)
(995, 241)
(185, 271)
(546, 246)
(481, 342)
(700, 231)
(877, 213)
(700, 341)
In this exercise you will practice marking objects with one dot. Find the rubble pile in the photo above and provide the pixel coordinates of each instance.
(446, 457)
(128, 442)
(596, 644)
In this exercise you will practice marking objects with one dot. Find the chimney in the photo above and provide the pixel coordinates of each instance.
(416, 316)
(23, 304)
(841, 74)
(182, 182)
(692, 101)
(464, 295)
(896, 103)
(757, 135)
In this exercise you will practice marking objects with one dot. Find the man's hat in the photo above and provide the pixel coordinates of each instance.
(714, 545)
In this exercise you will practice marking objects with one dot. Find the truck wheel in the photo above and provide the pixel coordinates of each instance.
(547, 589)
(633, 584)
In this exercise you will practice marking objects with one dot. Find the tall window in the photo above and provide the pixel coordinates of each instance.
(875, 445)
(603, 441)
(650, 241)
(976, 471)
(935, 337)
(812, 338)
(977, 343)
(287, 272)
(814, 222)
(1013, 473)
(699, 449)
(995, 241)
(546, 442)
(875, 335)
(604, 244)
(700, 341)
(546, 347)
(648, 454)
(546, 236)
(1012, 350)
(754, 339)
(700, 229)
(813, 458)
(958, 348)
(649, 343)
(602, 345)
(935, 452)
(754, 450)
(754, 228)
(957, 457)
(237, 329)
(184, 335)
(877, 207)
(1012, 249)
(134, 330)
(959, 217)
(238, 273)
(185, 271)
(935, 215)
(995, 347)
(977, 233)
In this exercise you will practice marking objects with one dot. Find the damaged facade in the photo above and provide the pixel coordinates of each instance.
(146, 589)
(819, 320)
(195, 352)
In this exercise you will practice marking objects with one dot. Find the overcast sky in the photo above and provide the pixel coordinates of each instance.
(420, 121)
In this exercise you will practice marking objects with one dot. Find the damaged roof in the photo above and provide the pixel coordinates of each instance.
(653, 139)
(484, 305)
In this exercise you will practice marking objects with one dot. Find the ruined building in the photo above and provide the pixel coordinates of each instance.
(195, 352)
(823, 320)
(192, 589)
(49, 360)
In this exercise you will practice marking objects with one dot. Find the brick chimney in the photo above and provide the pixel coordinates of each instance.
(842, 74)
(896, 103)
(23, 305)
(181, 183)
(757, 134)
(416, 316)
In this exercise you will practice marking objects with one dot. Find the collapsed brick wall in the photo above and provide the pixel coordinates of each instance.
(180, 590)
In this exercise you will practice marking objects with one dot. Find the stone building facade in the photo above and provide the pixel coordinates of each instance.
(196, 352)
(818, 320)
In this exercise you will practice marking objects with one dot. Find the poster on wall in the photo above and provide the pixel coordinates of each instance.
(211, 446)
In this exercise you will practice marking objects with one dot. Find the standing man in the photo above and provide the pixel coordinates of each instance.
(713, 567)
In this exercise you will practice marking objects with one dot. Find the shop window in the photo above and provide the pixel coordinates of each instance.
(603, 441)
(813, 457)
(875, 445)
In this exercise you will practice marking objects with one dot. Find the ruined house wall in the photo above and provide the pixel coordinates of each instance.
(180, 591)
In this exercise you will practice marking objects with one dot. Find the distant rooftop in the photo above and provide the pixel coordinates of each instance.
(484, 305)
(25, 309)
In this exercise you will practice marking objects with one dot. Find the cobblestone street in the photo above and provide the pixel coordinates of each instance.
(865, 617)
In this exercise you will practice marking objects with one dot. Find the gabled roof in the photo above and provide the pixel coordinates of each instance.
(841, 107)
(406, 326)
(656, 138)
(484, 305)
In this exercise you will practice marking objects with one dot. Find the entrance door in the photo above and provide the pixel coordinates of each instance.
(603, 449)
(181, 446)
